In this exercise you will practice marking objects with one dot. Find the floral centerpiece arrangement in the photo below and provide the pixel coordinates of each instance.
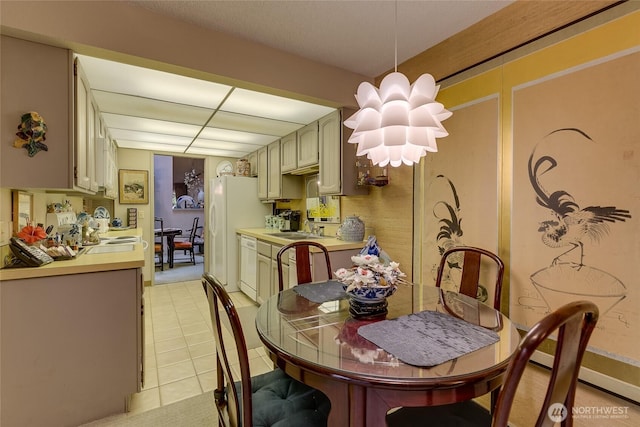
(372, 279)
(192, 179)
(368, 273)
(31, 234)
(194, 186)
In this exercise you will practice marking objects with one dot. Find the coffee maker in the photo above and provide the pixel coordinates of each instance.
(291, 220)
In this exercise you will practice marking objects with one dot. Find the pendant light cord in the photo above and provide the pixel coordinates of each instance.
(396, 37)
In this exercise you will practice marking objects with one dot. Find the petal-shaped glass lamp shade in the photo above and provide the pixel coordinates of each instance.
(398, 123)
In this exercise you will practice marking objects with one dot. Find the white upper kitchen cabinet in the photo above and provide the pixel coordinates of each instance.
(106, 165)
(273, 170)
(307, 146)
(299, 151)
(288, 153)
(279, 186)
(85, 116)
(337, 172)
(263, 178)
(252, 158)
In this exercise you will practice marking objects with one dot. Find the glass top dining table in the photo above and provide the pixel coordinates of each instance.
(318, 344)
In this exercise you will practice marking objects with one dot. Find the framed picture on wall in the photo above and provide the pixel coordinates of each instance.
(22, 210)
(133, 186)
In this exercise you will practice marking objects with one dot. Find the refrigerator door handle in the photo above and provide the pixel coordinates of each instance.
(212, 219)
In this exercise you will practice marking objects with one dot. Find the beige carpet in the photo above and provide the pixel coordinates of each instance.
(192, 412)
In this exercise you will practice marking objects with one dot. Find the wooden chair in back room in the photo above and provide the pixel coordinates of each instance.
(188, 246)
(158, 242)
(270, 399)
(303, 261)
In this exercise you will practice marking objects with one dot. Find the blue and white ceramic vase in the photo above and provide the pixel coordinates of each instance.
(352, 229)
(369, 302)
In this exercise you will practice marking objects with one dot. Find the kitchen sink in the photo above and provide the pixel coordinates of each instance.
(121, 242)
(118, 240)
(296, 235)
(104, 249)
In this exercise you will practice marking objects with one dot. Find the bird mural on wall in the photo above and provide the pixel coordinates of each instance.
(450, 233)
(449, 236)
(569, 225)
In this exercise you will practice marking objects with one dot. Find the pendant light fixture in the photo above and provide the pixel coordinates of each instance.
(399, 122)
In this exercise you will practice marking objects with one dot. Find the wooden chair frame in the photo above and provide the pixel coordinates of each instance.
(471, 271)
(226, 402)
(575, 323)
(160, 252)
(303, 261)
(470, 280)
(188, 245)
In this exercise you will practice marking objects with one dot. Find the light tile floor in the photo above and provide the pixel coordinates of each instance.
(179, 347)
(180, 360)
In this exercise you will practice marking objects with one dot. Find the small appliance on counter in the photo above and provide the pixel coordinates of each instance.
(291, 220)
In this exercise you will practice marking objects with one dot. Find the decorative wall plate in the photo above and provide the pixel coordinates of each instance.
(224, 168)
(101, 213)
(185, 202)
(83, 218)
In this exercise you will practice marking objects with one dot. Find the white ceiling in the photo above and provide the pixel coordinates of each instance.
(158, 111)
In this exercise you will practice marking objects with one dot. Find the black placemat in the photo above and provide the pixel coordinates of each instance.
(427, 338)
(321, 292)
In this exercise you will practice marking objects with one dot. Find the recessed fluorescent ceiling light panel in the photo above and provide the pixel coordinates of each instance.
(153, 110)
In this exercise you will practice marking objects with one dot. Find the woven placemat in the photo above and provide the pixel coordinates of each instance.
(427, 338)
(322, 291)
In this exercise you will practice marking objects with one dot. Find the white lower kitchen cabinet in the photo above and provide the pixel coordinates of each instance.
(264, 275)
(267, 280)
(275, 282)
(71, 347)
(318, 270)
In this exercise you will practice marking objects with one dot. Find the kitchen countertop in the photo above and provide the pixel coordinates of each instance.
(85, 262)
(331, 243)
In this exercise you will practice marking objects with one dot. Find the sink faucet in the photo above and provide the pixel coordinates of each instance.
(313, 229)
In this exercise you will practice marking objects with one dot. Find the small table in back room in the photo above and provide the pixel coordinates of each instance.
(170, 234)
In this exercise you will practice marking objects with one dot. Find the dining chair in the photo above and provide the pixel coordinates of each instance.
(574, 323)
(303, 261)
(158, 242)
(270, 399)
(188, 246)
(468, 261)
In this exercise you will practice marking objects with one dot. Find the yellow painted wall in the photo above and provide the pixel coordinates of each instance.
(578, 45)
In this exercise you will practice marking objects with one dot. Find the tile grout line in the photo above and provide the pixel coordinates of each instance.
(182, 301)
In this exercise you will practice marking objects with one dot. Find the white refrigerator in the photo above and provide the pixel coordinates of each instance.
(233, 204)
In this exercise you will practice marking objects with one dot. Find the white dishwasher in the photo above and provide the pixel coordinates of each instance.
(248, 266)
